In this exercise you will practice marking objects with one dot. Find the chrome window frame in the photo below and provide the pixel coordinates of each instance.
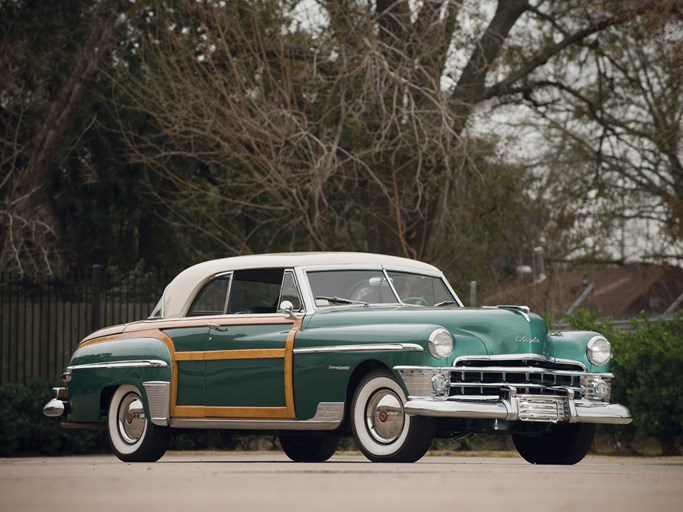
(203, 287)
(285, 270)
(309, 299)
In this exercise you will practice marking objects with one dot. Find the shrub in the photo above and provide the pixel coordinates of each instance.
(650, 362)
(647, 365)
(25, 430)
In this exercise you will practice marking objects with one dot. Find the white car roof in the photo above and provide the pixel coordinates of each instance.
(182, 289)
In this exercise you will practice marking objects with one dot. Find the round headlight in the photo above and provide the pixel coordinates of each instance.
(440, 343)
(599, 351)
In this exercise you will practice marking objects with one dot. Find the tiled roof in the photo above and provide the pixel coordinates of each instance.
(620, 292)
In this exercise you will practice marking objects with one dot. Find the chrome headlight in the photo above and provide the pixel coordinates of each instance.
(599, 351)
(441, 343)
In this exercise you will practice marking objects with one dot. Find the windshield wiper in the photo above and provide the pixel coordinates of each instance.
(444, 303)
(341, 300)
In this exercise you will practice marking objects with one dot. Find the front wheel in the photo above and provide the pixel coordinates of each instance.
(308, 448)
(381, 428)
(564, 444)
(132, 437)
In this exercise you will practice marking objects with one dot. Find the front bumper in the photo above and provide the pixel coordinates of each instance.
(516, 407)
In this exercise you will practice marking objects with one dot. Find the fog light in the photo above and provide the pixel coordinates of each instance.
(601, 389)
(596, 388)
(439, 384)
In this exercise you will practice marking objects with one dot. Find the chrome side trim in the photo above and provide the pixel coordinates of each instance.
(385, 347)
(158, 399)
(141, 363)
(328, 416)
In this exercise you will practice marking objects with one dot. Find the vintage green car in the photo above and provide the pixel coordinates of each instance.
(316, 346)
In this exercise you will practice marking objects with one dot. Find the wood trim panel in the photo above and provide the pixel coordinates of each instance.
(153, 330)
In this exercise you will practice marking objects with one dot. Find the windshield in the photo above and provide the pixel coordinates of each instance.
(339, 287)
(420, 289)
(334, 287)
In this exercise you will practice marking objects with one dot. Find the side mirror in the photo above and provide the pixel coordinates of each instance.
(287, 308)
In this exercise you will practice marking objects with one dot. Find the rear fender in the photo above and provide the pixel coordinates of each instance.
(97, 369)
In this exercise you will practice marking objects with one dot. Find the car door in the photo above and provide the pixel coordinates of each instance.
(190, 337)
(248, 361)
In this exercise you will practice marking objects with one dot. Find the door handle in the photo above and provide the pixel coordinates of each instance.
(216, 327)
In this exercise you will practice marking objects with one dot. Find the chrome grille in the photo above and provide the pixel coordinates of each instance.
(529, 376)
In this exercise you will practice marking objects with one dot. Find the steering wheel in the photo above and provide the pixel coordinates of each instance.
(417, 301)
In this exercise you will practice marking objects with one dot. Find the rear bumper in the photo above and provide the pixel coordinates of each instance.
(59, 405)
(548, 409)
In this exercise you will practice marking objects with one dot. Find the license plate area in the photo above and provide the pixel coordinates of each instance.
(548, 409)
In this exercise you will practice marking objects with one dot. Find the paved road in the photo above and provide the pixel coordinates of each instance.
(269, 482)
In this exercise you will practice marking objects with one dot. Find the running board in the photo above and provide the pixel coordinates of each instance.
(328, 416)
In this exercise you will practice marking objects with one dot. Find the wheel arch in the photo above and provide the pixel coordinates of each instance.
(358, 373)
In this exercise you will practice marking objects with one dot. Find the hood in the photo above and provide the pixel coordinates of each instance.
(477, 331)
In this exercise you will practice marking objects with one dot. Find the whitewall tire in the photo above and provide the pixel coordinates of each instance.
(381, 428)
(132, 437)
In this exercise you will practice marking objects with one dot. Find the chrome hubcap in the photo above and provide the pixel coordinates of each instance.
(384, 416)
(131, 419)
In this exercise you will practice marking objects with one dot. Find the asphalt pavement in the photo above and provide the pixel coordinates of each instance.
(229, 481)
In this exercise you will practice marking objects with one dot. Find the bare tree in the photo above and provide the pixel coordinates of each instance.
(29, 231)
(612, 119)
(354, 135)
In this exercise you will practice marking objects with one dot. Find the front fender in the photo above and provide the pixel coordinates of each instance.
(332, 354)
(571, 345)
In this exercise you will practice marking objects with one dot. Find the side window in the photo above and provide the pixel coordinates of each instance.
(211, 299)
(255, 291)
(290, 291)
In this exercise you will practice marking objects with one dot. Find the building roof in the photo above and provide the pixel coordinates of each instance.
(619, 292)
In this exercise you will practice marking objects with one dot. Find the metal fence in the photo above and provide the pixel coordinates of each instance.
(42, 322)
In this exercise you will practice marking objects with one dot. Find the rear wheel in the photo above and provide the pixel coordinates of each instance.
(381, 428)
(132, 437)
(564, 444)
(308, 448)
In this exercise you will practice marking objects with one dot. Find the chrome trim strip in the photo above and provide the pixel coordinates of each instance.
(503, 369)
(523, 310)
(158, 399)
(515, 357)
(385, 347)
(498, 385)
(142, 363)
(328, 416)
(527, 370)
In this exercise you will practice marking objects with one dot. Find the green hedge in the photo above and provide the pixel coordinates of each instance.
(25, 430)
(648, 371)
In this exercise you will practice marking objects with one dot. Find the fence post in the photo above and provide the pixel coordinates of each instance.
(473, 294)
(96, 291)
